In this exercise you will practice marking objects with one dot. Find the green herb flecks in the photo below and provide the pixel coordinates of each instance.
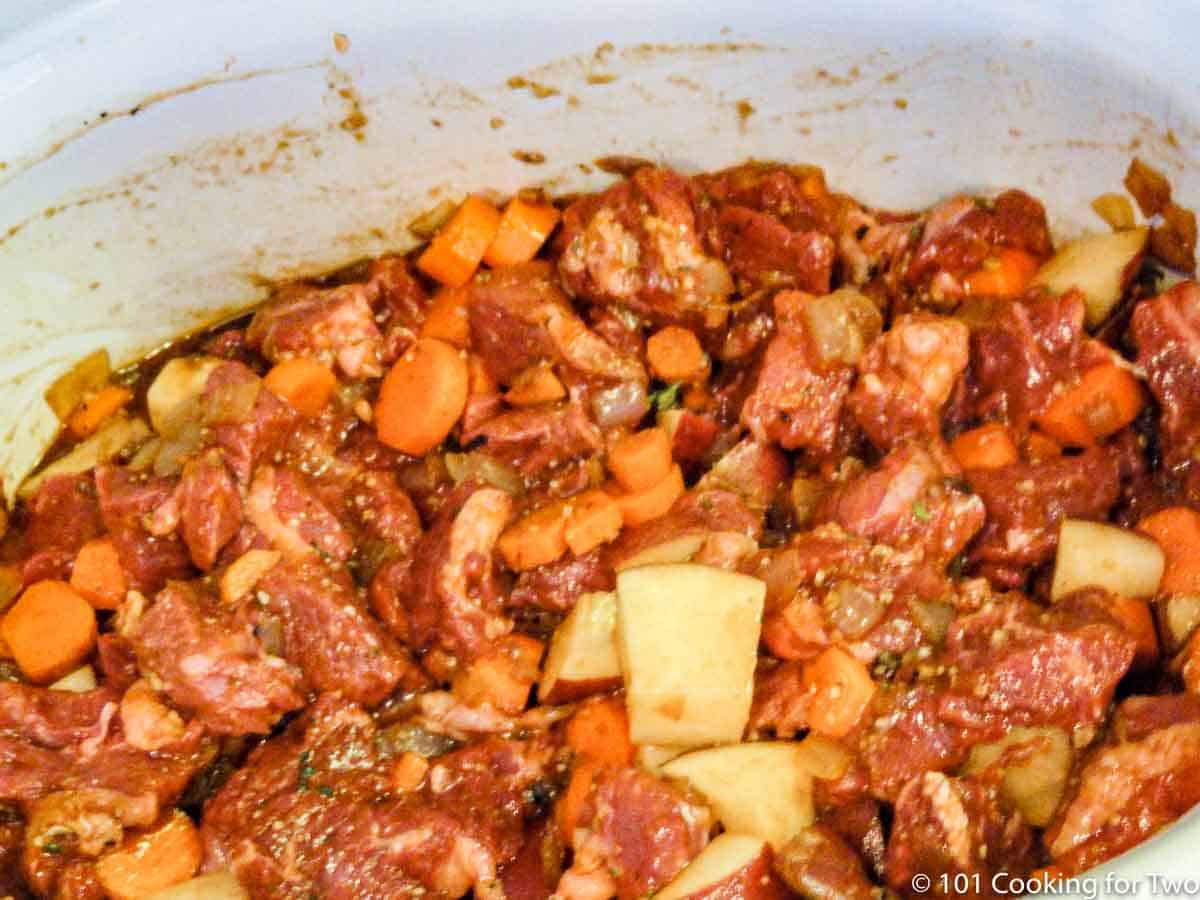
(666, 398)
(307, 771)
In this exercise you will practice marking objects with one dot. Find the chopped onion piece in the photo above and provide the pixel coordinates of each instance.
(487, 469)
(623, 405)
(1115, 210)
(80, 681)
(174, 396)
(841, 325)
(118, 433)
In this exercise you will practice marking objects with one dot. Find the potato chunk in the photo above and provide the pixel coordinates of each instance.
(762, 789)
(583, 651)
(174, 396)
(1036, 763)
(1099, 265)
(688, 641)
(733, 865)
(1091, 554)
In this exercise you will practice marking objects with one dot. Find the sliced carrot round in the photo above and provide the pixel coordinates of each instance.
(595, 519)
(98, 575)
(1176, 529)
(570, 804)
(986, 447)
(641, 460)
(93, 412)
(599, 731)
(655, 501)
(447, 317)
(534, 386)
(675, 354)
(50, 630)
(422, 397)
(304, 384)
(1104, 400)
(537, 539)
(151, 861)
(1006, 273)
(840, 688)
(523, 229)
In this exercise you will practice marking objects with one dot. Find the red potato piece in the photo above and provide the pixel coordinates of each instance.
(582, 658)
(733, 865)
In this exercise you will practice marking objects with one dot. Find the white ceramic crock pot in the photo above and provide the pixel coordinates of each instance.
(161, 161)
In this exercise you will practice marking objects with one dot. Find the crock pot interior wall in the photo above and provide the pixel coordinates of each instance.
(163, 161)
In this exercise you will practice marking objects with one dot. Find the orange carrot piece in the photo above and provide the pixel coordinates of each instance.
(152, 861)
(422, 397)
(595, 519)
(502, 677)
(840, 690)
(304, 384)
(50, 630)
(1177, 532)
(599, 731)
(1039, 448)
(523, 229)
(408, 772)
(989, 446)
(641, 460)
(11, 582)
(90, 415)
(675, 354)
(643, 506)
(97, 574)
(536, 385)
(1135, 617)
(570, 805)
(457, 249)
(535, 540)
(447, 318)
(1104, 400)
(1006, 273)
